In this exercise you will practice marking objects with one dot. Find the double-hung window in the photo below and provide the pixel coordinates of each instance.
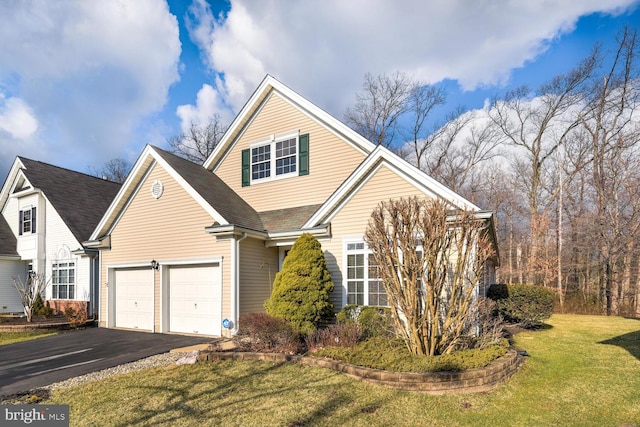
(63, 280)
(27, 223)
(364, 286)
(279, 157)
(274, 159)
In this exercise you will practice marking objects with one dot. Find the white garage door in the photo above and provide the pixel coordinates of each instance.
(134, 298)
(195, 299)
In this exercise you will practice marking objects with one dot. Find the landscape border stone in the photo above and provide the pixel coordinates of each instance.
(436, 383)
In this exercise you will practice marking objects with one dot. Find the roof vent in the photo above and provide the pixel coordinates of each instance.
(157, 188)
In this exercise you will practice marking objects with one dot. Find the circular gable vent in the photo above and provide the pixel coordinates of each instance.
(157, 188)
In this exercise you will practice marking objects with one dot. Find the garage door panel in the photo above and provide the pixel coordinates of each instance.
(134, 298)
(195, 302)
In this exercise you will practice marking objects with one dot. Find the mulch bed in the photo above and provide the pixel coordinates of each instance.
(39, 320)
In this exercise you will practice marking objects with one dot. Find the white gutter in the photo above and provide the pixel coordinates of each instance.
(235, 279)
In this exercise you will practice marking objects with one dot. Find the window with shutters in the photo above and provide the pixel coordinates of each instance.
(281, 157)
(27, 221)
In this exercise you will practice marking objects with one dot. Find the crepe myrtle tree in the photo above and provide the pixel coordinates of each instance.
(430, 261)
(29, 291)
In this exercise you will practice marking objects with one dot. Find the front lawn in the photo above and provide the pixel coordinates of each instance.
(14, 337)
(583, 371)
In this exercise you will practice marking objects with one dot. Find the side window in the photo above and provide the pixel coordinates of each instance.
(27, 223)
(364, 286)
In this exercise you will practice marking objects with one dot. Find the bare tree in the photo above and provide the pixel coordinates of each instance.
(199, 141)
(29, 291)
(537, 127)
(379, 105)
(611, 123)
(115, 170)
(430, 261)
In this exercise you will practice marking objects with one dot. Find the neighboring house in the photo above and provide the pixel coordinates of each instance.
(186, 248)
(46, 214)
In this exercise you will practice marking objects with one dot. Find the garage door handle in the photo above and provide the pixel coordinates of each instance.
(195, 305)
(136, 303)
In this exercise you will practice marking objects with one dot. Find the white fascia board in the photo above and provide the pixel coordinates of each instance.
(285, 238)
(368, 168)
(189, 189)
(314, 112)
(10, 181)
(128, 187)
(131, 187)
(228, 230)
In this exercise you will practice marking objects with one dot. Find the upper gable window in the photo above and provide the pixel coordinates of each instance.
(27, 223)
(281, 157)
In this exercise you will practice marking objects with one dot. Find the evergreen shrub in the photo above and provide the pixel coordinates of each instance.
(527, 305)
(302, 289)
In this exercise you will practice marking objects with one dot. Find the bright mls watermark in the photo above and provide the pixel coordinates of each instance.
(37, 415)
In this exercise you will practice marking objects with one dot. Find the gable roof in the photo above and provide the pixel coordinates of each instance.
(215, 191)
(207, 189)
(8, 242)
(78, 198)
(383, 156)
(267, 87)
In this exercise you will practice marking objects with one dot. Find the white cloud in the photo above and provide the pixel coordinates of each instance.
(89, 71)
(16, 118)
(315, 45)
(208, 104)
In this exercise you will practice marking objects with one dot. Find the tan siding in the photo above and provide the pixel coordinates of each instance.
(258, 266)
(352, 219)
(166, 229)
(331, 160)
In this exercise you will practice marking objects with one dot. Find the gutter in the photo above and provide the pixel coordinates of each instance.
(235, 294)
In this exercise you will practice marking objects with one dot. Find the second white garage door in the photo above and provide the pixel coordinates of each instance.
(195, 299)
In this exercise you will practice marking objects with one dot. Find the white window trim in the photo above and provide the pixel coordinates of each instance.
(345, 255)
(23, 210)
(272, 140)
(75, 278)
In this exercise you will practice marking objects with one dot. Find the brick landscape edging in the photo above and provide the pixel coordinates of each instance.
(469, 381)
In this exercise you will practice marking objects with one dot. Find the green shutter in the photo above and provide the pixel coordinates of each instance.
(303, 146)
(246, 168)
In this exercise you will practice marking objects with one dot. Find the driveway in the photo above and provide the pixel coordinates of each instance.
(36, 363)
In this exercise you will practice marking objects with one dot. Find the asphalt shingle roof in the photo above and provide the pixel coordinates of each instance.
(287, 219)
(80, 199)
(216, 192)
(8, 242)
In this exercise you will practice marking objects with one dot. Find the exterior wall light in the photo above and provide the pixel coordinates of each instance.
(154, 264)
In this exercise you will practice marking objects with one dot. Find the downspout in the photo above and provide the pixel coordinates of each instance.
(235, 294)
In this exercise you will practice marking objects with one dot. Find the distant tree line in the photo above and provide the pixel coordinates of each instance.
(559, 165)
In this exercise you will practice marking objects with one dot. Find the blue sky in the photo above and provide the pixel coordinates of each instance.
(84, 82)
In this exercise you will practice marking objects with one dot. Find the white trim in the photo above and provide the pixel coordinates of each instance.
(164, 267)
(258, 98)
(367, 169)
(111, 273)
(133, 184)
(11, 181)
(272, 141)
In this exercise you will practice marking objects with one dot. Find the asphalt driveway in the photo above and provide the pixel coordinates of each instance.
(36, 363)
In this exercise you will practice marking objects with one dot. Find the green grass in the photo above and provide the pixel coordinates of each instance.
(583, 371)
(14, 337)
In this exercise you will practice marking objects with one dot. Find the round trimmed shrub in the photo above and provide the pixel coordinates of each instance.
(527, 305)
(302, 289)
